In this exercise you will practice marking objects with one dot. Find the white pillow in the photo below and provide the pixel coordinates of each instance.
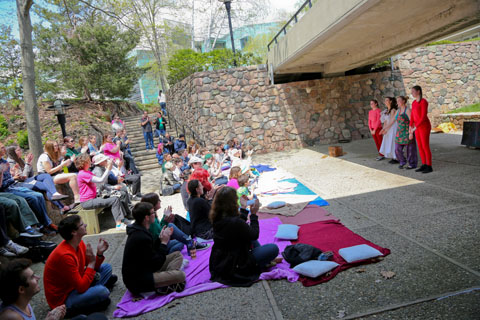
(287, 232)
(360, 252)
(315, 268)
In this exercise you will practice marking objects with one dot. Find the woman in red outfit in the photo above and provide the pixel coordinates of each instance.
(420, 124)
(375, 126)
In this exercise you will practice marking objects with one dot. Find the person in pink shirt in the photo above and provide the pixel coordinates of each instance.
(235, 172)
(375, 126)
(88, 191)
(112, 150)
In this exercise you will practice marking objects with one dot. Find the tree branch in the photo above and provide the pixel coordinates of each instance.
(110, 14)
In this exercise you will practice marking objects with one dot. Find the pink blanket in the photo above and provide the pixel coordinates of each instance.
(198, 276)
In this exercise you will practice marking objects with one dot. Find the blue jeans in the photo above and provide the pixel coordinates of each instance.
(36, 202)
(177, 240)
(43, 183)
(148, 136)
(176, 186)
(163, 105)
(160, 133)
(264, 254)
(95, 294)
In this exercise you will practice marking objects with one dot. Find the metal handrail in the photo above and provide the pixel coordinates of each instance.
(295, 17)
(193, 135)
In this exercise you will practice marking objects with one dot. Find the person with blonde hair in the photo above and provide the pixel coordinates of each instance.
(51, 162)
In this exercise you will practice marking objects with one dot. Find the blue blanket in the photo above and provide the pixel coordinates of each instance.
(302, 189)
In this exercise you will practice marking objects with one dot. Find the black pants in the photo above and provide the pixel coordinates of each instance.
(3, 227)
(130, 163)
(134, 180)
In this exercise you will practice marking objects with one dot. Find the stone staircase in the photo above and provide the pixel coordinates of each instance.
(145, 160)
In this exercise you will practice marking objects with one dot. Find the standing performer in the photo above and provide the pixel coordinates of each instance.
(420, 124)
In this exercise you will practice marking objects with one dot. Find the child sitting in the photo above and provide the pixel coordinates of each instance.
(242, 191)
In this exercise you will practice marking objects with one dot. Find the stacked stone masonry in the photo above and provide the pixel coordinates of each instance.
(219, 105)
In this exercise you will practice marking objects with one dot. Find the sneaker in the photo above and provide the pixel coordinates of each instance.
(202, 246)
(59, 197)
(410, 168)
(427, 169)
(401, 166)
(393, 161)
(177, 287)
(421, 168)
(136, 198)
(121, 227)
(31, 233)
(111, 282)
(47, 231)
(379, 158)
(16, 248)
(127, 222)
(6, 253)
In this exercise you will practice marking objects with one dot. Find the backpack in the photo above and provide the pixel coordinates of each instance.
(299, 253)
(38, 250)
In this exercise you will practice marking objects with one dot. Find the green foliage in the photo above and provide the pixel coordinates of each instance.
(149, 107)
(3, 127)
(86, 56)
(186, 62)
(471, 108)
(10, 65)
(450, 42)
(22, 139)
(15, 103)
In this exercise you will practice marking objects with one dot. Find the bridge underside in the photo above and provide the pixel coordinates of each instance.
(336, 36)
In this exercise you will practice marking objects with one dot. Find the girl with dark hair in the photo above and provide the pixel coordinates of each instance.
(389, 130)
(420, 124)
(199, 209)
(375, 126)
(402, 137)
(237, 257)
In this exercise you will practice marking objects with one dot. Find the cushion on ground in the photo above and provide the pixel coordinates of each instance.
(287, 232)
(360, 252)
(315, 268)
(276, 204)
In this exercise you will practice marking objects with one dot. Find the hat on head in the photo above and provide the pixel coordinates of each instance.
(99, 158)
(208, 156)
(168, 165)
(195, 160)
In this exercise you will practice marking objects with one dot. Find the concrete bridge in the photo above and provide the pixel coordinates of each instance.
(335, 36)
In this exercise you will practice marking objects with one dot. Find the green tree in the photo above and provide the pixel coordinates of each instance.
(82, 53)
(10, 65)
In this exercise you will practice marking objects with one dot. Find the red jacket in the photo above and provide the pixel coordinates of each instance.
(419, 115)
(374, 122)
(65, 271)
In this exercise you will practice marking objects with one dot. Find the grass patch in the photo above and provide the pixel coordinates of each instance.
(450, 42)
(471, 108)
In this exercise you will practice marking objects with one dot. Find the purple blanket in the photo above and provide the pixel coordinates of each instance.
(198, 276)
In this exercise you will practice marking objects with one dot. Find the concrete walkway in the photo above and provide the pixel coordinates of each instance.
(430, 222)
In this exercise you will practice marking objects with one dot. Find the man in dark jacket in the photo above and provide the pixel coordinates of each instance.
(180, 143)
(146, 266)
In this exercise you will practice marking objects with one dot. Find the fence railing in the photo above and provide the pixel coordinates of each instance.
(189, 133)
(296, 17)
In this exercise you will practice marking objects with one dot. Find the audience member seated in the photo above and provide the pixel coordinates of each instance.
(235, 172)
(83, 145)
(180, 143)
(220, 156)
(199, 173)
(70, 152)
(20, 216)
(8, 248)
(117, 123)
(19, 285)
(129, 161)
(237, 257)
(177, 171)
(167, 157)
(193, 150)
(169, 184)
(34, 199)
(74, 276)
(92, 145)
(183, 153)
(168, 143)
(184, 188)
(243, 191)
(199, 208)
(50, 162)
(100, 163)
(146, 265)
(112, 150)
(160, 154)
(88, 191)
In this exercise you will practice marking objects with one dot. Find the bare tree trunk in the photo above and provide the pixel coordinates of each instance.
(28, 76)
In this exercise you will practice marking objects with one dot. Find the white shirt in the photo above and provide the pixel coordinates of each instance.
(161, 98)
(43, 158)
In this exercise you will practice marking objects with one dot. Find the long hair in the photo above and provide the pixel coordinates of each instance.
(418, 88)
(50, 150)
(105, 136)
(225, 204)
(393, 104)
(13, 155)
(235, 172)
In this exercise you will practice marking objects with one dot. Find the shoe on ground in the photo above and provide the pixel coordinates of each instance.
(47, 231)
(379, 158)
(421, 168)
(121, 227)
(6, 253)
(177, 287)
(31, 233)
(136, 198)
(401, 166)
(53, 227)
(16, 248)
(393, 161)
(127, 222)
(428, 169)
(202, 246)
(59, 197)
(111, 282)
(410, 168)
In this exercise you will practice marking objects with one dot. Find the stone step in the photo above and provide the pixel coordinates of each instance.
(143, 156)
(146, 161)
(148, 167)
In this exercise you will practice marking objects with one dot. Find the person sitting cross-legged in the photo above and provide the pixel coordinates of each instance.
(146, 266)
(74, 275)
(19, 285)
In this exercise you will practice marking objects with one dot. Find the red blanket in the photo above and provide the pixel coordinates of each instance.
(332, 236)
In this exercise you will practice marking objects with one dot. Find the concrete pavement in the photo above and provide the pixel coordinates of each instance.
(430, 222)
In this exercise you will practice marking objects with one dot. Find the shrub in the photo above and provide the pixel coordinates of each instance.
(3, 127)
(22, 139)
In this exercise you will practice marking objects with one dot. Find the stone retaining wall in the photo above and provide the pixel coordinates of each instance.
(449, 75)
(459, 118)
(240, 102)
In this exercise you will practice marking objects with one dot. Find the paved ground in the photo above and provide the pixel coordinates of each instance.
(430, 222)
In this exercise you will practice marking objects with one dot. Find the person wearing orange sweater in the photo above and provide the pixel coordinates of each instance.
(73, 275)
(375, 126)
(420, 124)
